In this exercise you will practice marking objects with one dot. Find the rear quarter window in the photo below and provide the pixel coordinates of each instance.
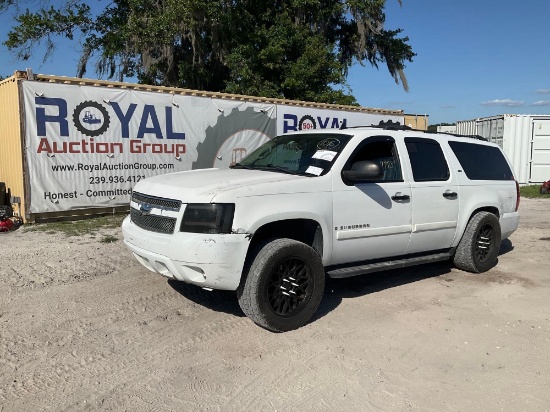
(481, 162)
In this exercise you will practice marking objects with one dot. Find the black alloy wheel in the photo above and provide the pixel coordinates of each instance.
(282, 284)
(290, 286)
(478, 249)
(484, 246)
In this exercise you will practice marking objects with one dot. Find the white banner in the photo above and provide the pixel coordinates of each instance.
(87, 146)
(292, 119)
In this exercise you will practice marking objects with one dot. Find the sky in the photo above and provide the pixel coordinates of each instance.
(475, 58)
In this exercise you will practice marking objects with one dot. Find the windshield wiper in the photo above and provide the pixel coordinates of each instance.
(240, 166)
(278, 169)
(269, 167)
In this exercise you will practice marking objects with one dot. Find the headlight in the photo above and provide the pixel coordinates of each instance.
(208, 218)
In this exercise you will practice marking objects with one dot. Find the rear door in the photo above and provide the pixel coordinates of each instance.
(434, 196)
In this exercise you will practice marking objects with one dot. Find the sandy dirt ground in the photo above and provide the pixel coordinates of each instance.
(84, 327)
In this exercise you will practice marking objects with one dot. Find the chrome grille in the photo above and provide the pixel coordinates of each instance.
(171, 204)
(154, 223)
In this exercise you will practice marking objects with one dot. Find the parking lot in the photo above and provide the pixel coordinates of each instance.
(83, 326)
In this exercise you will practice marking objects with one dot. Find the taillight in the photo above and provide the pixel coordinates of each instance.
(517, 196)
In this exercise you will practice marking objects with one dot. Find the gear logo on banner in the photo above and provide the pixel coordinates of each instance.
(307, 123)
(91, 118)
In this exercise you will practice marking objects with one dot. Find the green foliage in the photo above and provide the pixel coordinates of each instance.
(44, 24)
(294, 49)
(108, 239)
(533, 191)
(86, 226)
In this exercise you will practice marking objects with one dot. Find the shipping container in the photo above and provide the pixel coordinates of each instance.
(524, 138)
(446, 129)
(71, 146)
(417, 121)
(12, 168)
(466, 127)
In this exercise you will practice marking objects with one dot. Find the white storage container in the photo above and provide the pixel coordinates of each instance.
(446, 129)
(524, 138)
(466, 127)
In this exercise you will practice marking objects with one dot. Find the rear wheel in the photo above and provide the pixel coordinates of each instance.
(284, 285)
(478, 249)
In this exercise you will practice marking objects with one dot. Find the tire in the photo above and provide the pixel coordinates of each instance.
(543, 190)
(283, 286)
(478, 249)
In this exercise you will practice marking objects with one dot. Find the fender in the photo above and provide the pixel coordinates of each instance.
(252, 213)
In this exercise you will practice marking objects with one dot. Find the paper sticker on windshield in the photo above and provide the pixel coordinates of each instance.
(330, 143)
(327, 155)
(312, 170)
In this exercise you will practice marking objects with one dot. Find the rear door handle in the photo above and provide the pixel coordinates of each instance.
(400, 197)
(450, 195)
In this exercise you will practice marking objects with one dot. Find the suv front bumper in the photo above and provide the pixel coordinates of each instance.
(210, 261)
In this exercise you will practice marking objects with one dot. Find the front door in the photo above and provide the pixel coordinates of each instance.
(372, 219)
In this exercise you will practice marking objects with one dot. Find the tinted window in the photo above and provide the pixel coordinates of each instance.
(482, 162)
(427, 160)
(383, 151)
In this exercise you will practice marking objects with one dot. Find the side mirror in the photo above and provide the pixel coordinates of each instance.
(363, 171)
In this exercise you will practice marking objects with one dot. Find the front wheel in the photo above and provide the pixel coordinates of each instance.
(478, 249)
(284, 285)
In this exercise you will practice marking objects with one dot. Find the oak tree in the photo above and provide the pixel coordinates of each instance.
(293, 49)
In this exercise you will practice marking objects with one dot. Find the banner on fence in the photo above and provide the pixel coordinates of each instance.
(87, 146)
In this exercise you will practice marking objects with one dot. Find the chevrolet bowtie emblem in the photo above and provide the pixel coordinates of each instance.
(145, 209)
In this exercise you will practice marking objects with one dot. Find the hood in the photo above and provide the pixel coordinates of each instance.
(204, 185)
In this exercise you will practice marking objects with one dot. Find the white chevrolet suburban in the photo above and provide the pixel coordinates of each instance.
(326, 202)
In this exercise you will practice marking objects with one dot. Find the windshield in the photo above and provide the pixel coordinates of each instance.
(302, 154)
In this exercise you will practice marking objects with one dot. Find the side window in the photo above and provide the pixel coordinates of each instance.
(427, 160)
(383, 151)
(481, 162)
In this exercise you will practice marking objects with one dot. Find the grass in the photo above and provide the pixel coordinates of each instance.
(108, 239)
(89, 226)
(532, 191)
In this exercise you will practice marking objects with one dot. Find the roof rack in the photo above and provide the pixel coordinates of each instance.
(389, 125)
(469, 136)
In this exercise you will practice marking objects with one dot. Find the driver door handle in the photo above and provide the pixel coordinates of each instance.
(400, 197)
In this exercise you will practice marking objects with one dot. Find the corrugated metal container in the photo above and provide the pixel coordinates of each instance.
(11, 141)
(446, 129)
(491, 128)
(524, 138)
(466, 127)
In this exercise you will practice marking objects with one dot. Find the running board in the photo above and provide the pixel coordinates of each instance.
(349, 271)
